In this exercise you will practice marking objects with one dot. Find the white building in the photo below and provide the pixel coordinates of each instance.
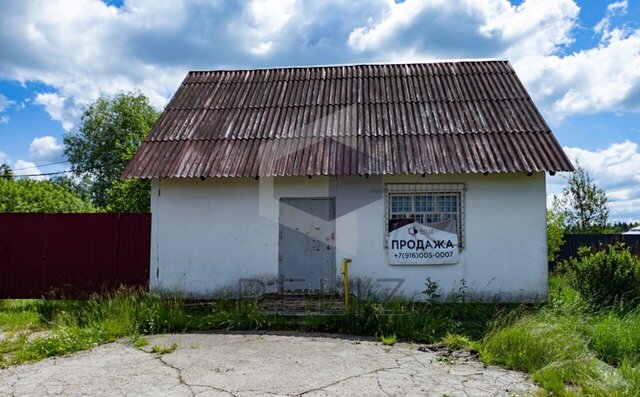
(413, 171)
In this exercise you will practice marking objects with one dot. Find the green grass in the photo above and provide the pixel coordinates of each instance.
(164, 349)
(567, 346)
(388, 340)
(139, 341)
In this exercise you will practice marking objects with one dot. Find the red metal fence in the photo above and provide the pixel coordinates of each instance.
(72, 254)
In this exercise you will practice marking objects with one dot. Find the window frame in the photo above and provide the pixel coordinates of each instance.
(421, 189)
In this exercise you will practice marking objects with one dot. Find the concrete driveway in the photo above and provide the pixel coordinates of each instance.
(257, 364)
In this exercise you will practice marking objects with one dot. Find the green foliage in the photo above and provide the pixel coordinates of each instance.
(164, 349)
(585, 203)
(26, 195)
(110, 132)
(533, 342)
(567, 347)
(457, 342)
(79, 186)
(139, 341)
(615, 338)
(606, 278)
(19, 320)
(389, 340)
(64, 341)
(129, 196)
(555, 233)
(431, 291)
(5, 171)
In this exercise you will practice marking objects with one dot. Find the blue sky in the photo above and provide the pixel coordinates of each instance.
(580, 61)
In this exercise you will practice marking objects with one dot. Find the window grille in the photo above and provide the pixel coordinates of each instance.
(425, 203)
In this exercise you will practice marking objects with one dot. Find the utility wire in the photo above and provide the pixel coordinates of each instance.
(43, 174)
(40, 165)
(78, 171)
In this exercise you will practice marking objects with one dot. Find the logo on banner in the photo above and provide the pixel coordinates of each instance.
(415, 243)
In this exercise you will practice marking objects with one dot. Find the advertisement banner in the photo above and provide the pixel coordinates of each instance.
(414, 243)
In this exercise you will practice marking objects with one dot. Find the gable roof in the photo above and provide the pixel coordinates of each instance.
(428, 118)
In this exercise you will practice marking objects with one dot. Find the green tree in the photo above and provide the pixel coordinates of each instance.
(110, 132)
(27, 195)
(555, 231)
(584, 203)
(5, 171)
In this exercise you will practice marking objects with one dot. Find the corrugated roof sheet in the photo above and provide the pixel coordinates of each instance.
(445, 117)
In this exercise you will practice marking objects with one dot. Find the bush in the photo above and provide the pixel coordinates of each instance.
(607, 278)
(555, 233)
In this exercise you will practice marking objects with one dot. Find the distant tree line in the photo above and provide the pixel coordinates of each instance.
(110, 132)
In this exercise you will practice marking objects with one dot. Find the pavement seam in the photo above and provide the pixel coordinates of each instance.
(178, 372)
(375, 371)
(190, 386)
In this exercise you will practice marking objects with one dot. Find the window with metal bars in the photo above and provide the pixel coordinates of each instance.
(425, 203)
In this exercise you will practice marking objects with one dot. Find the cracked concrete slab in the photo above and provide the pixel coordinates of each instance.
(261, 364)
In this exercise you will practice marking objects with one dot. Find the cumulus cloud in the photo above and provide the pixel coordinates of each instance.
(5, 103)
(605, 78)
(59, 108)
(3, 157)
(45, 148)
(616, 169)
(603, 27)
(149, 45)
(23, 167)
(445, 29)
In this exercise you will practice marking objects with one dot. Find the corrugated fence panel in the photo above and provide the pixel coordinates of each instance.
(81, 251)
(21, 255)
(573, 242)
(72, 255)
(134, 246)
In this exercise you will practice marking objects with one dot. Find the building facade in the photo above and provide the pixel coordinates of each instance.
(415, 172)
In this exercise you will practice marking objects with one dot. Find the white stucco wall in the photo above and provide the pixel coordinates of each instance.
(208, 234)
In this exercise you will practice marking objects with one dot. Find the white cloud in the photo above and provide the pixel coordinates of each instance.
(45, 148)
(3, 157)
(90, 49)
(459, 29)
(59, 108)
(603, 27)
(5, 103)
(617, 170)
(605, 78)
(267, 20)
(23, 167)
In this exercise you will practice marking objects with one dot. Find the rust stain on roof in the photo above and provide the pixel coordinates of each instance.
(429, 118)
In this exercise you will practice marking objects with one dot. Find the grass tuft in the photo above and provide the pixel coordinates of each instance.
(388, 340)
(164, 349)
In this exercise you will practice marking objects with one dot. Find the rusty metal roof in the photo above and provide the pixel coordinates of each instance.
(444, 117)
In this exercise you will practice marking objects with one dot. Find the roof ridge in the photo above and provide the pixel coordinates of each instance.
(326, 66)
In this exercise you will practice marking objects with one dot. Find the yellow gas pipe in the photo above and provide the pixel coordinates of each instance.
(345, 280)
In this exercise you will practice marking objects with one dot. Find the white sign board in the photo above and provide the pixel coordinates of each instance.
(424, 244)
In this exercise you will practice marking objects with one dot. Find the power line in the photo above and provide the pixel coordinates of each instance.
(78, 171)
(40, 165)
(43, 174)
